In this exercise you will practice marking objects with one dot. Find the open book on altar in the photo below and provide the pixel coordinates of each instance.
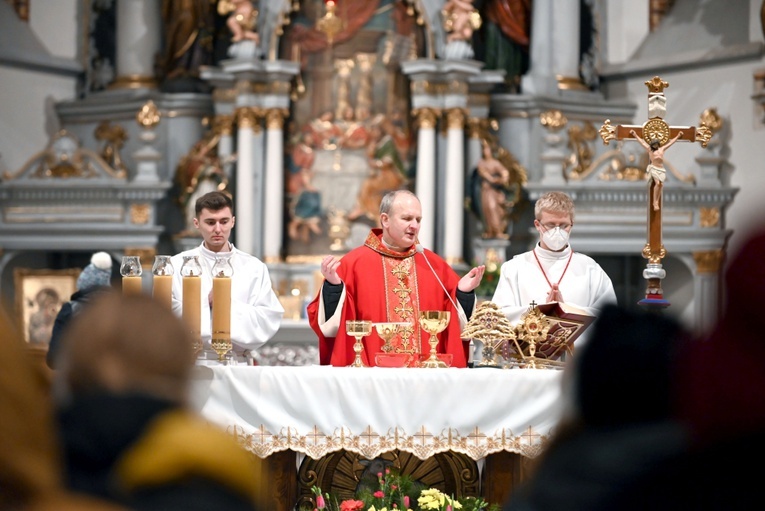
(548, 330)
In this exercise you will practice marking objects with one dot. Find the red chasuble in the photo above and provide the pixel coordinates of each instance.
(382, 285)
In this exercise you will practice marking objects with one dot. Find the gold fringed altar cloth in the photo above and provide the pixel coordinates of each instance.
(317, 410)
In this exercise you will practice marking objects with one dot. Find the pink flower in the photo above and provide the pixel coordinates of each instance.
(393, 487)
(379, 474)
(449, 508)
(352, 505)
(406, 501)
(387, 471)
(378, 494)
(320, 504)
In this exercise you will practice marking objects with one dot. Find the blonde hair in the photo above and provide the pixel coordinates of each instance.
(554, 202)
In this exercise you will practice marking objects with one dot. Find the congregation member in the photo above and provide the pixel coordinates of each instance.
(128, 432)
(94, 279)
(256, 312)
(552, 271)
(391, 278)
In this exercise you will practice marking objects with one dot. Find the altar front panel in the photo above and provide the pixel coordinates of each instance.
(318, 410)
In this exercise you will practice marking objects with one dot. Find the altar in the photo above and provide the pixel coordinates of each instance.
(490, 416)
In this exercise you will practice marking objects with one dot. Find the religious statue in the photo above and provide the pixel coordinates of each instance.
(460, 20)
(383, 178)
(114, 137)
(355, 134)
(189, 30)
(199, 172)
(655, 169)
(242, 19)
(41, 320)
(496, 189)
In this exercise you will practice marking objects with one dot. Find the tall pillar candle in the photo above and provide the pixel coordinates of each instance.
(221, 310)
(192, 304)
(163, 289)
(131, 285)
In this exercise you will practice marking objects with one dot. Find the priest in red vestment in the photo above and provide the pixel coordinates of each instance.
(391, 279)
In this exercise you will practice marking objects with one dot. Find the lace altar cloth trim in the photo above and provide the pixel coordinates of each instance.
(371, 444)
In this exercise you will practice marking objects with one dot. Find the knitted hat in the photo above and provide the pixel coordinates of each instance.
(97, 273)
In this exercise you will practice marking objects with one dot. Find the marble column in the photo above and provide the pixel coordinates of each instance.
(426, 173)
(223, 126)
(247, 121)
(139, 38)
(274, 185)
(555, 56)
(454, 189)
(706, 288)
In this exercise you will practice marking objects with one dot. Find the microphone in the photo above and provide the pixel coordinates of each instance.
(460, 313)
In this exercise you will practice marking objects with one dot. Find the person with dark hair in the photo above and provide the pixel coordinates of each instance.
(618, 445)
(127, 430)
(256, 313)
(94, 279)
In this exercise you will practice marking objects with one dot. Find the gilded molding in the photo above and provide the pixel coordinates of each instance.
(553, 120)
(709, 261)
(480, 127)
(709, 217)
(275, 118)
(148, 116)
(140, 213)
(455, 118)
(224, 95)
(425, 118)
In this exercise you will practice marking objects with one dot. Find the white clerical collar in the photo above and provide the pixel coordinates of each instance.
(543, 253)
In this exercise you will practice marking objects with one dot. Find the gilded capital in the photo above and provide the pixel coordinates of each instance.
(223, 124)
(455, 118)
(709, 261)
(425, 117)
(275, 118)
(553, 120)
(247, 117)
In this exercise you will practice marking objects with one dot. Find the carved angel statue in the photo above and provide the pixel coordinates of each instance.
(242, 19)
(460, 19)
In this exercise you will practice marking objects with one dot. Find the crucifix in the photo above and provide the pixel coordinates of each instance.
(656, 136)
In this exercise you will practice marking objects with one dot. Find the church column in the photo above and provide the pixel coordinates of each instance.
(426, 173)
(274, 185)
(454, 186)
(223, 126)
(555, 56)
(706, 288)
(247, 121)
(139, 32)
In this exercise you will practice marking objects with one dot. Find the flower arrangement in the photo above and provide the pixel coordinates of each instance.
(399, 492)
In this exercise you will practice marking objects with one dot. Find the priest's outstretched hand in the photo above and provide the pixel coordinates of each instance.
(329, 266)
(471, 279)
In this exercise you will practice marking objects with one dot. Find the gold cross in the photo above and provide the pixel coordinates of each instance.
(655, 129)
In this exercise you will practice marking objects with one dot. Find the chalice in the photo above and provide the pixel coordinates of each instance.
(386, 331)
(434, 322)
(358, 329)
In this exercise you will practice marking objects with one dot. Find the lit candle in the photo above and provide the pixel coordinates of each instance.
(192, 304)
(163, 289)
(221, 310)
(131, 285)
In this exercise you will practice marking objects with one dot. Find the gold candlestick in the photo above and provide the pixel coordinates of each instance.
(358, 329)
(434, 322)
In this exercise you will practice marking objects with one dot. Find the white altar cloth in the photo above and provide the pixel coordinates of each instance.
(316, 410)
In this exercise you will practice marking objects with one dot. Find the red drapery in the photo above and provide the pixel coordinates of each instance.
(513, 17)
(355, 14)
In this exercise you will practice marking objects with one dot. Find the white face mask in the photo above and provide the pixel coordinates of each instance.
(555, 239)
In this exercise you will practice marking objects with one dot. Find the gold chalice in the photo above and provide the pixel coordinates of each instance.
(387, 331)
(358, 329)
(434, 322)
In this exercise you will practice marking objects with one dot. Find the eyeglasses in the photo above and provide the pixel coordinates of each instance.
(550, 227)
